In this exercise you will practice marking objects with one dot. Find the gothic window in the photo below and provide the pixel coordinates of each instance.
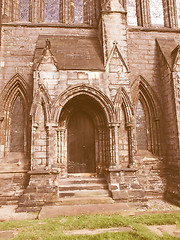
(178, 12)
(141, 128)
(156, 13)
(51, 10)
(24, 10)
(17, 127)
(131, 13)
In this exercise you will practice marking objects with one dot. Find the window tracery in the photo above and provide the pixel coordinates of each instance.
(51, 10)
(24, 10)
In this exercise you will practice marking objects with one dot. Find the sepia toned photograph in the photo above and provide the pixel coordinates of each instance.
(90, 119)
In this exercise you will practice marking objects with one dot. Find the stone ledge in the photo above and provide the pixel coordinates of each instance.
(122, 170)
(44, 172)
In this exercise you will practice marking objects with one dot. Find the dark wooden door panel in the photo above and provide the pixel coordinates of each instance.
(81, 150)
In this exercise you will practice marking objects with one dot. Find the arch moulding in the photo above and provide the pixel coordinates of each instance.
(92, 92)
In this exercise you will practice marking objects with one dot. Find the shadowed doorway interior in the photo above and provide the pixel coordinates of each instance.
(81, 143)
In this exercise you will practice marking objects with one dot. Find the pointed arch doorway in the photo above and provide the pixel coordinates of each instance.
(81, 143)
(83, 136)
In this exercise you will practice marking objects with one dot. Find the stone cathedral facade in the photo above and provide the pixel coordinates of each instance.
(89, 88)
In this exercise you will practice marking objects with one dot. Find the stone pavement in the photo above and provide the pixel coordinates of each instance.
(7, 212)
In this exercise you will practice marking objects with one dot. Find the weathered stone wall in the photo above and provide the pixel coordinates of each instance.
(128, 52)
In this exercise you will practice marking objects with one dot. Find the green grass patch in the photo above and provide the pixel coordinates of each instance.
(53, 228)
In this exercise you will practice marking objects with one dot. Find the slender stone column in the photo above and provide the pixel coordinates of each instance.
(62, 151)
(100, 150)
(130, 143)
(114, 153)
(51, 160)
(34, 128)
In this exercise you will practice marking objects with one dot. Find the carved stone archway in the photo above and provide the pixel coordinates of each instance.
(100, 110)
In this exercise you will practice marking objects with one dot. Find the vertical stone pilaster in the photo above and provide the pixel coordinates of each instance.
(37, 13)
(143, 13)
(170, 14)
(15, 10)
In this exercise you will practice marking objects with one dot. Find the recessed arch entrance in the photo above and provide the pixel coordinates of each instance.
(85, 129)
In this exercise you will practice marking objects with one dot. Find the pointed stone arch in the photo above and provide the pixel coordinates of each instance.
(94, 93)
(143, 92)
(122, 99)
(41, 98)
(16, 87)
(100, 110)
(122, 102)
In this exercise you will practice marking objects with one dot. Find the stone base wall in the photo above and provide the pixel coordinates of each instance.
(151, 173)
(124, 185)
(42, 189)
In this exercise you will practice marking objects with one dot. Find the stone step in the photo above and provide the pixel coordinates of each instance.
(88, 186)
(82, 180)
(85, 200)
(6, 200)
(83, 193)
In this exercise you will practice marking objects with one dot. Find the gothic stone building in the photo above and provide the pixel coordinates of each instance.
(91, 89)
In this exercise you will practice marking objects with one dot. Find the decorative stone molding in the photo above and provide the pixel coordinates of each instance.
(119, 61)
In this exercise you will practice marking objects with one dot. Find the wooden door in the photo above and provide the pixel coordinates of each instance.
(81, 144)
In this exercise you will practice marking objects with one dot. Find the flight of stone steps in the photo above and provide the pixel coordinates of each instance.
(83, 190)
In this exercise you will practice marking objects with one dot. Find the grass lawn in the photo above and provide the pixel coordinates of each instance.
(52, 228)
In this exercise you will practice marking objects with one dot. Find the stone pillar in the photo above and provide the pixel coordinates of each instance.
(34, 128)
(51, 145)
(114, 148)
(130, 143)
(62, 151)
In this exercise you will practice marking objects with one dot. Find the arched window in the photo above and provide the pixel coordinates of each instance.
(131, 13)
(156, 13)
(24, 10)
(141, 127)
(51, 10)
(17, 126)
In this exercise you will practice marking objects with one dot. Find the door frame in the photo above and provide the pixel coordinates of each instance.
(92, 163)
